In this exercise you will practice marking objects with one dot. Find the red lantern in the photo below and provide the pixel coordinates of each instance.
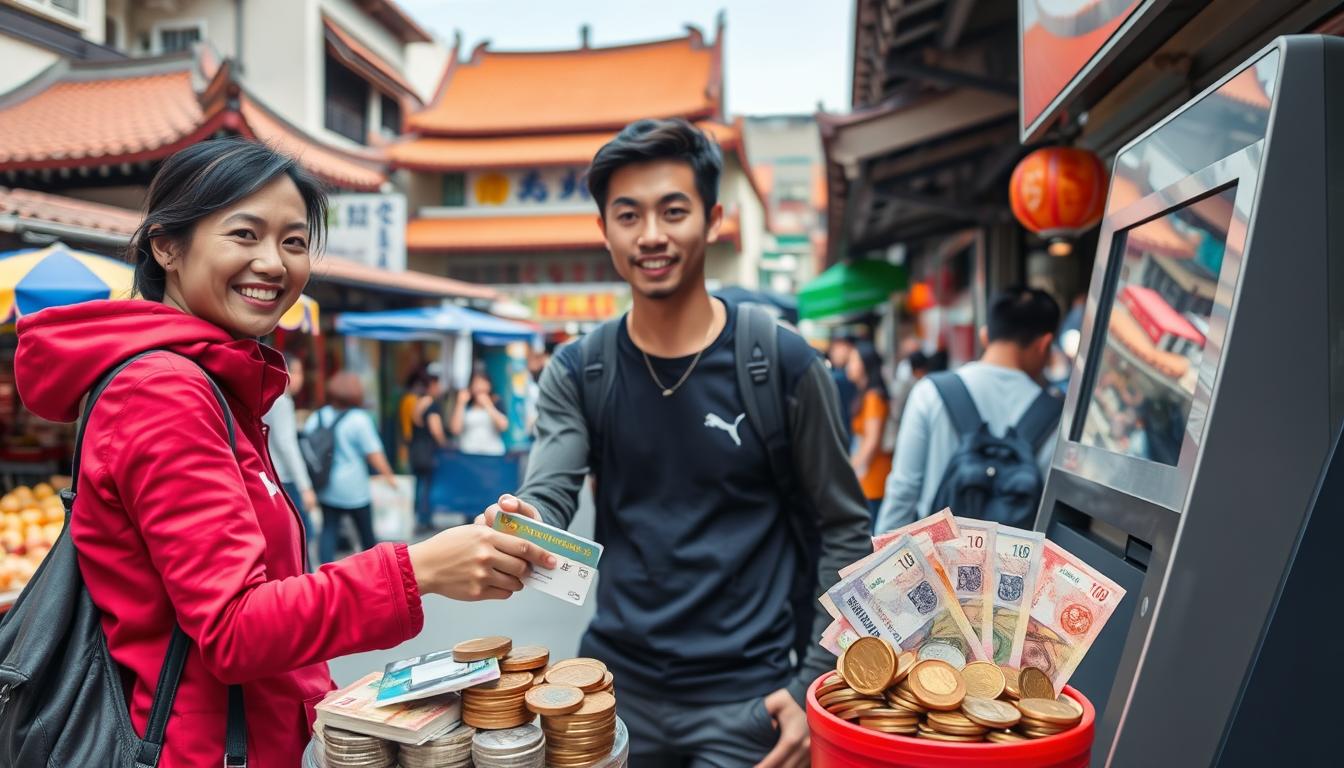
(1058, 192)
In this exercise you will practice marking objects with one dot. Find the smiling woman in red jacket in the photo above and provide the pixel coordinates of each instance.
(172, 524)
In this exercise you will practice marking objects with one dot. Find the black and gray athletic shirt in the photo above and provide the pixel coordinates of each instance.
(693, 597)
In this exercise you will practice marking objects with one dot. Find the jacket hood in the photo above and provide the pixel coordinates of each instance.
(63, 351)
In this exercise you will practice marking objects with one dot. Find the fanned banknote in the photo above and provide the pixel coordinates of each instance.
(901, 598)
(927, 532)
(1071, 603)
(1017, 561)
(969, 562)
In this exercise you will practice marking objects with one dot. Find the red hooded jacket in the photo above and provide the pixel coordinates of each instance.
(170, 523)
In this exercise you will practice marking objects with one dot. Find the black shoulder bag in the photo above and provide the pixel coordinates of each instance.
(61, 700)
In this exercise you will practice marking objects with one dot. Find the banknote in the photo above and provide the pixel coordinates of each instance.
(969, 561)
(1070, 605)
(927, 533)
(838, 636)
(1017, 561)
(900, 598)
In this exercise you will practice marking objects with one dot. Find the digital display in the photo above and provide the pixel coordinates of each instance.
(1156, 333)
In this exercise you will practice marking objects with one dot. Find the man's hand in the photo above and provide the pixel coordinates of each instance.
(511, 504)
(794, 748)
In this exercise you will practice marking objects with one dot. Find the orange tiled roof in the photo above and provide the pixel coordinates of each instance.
(114, 118)
(1247, 89)
(56, 209)
(146, 110)
(361, 57)
(464, 154)
(604, 88)
(341, 168)
(571, 231)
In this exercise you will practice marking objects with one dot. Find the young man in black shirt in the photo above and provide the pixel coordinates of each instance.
(694, 610)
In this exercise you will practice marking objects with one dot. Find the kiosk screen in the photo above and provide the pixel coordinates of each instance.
(1154, 338)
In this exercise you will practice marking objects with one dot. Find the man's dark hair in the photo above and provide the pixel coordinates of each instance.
(647, 140)
(204, 178)
(1022, 315)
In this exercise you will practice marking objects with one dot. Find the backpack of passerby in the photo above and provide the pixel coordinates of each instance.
(978, 439)
(319, 450)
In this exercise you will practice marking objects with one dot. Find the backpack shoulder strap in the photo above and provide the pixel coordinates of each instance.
(960, 406)
(340, 416)
(1040, 419)
(756, 349)
(170, 674)
(597, 375)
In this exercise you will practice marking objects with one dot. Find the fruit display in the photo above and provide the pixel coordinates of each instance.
(30, 521)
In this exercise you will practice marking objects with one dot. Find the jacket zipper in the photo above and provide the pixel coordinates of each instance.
(270, 466)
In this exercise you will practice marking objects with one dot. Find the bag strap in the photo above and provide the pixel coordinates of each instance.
(170, 674)
(1040, 419)
(756, 349)
(598, 353)
(340, 416)
(960, 406)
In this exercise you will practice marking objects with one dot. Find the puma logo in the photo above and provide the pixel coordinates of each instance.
(271, 488)
(713, 420)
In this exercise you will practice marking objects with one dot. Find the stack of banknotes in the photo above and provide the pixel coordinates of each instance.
(965, 590)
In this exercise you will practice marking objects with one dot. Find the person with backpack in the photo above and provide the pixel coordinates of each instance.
(343, 488)
(725, 501)
(173, 623)
(979, 440)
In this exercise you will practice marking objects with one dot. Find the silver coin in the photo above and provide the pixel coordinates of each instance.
(943, 652)
(508, 741)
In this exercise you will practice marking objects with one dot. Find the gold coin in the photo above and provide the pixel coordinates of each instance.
(1011, 676)
(1035, 684)
(578, 675)
(1074, 706)
(990, 712)
(554, 699)
(1004, 737)
(482, 648)
(1032, 733)
(507, 683)
(833, 682)
(905, 662)
(868, 665)
(953, 719)
(983, 679)
(1049, 711)
(899, 700)
(863, 705)
(539, 675)
(937, 684)
(839, 697)
(579, 660)
(525, 659)
(936, 736)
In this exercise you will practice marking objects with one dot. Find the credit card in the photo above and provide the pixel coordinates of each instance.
(571, 578)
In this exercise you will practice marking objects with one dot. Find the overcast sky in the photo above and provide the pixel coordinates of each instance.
(783, 56)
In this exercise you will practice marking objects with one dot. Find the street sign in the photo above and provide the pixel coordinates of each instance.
(369, 229)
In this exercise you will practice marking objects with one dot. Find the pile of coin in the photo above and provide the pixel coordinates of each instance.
(344, 749)
(499, 704)
(924, 696)
(521, 747)
(451, 750)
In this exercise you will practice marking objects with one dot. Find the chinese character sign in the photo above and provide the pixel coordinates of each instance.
(528, 188)
(369, 229)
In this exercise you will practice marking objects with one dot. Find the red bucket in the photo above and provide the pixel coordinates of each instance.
(839, 743)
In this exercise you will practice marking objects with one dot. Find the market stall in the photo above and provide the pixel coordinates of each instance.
(466, 337)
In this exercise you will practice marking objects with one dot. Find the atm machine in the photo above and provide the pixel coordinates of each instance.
(1196, 461)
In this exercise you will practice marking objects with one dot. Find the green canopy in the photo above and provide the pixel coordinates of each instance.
(850, 287)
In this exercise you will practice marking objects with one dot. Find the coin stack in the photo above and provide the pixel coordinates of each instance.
(927, 697)
(344, 749)
(577, 705)
(499, 704)
(521, 747)
(451, 750)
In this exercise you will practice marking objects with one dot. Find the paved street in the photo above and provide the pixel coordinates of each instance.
(528, 617)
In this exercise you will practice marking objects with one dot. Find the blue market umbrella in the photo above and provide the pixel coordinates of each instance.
(57, 275)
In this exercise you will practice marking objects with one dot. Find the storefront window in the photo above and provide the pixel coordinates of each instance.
(347, 102)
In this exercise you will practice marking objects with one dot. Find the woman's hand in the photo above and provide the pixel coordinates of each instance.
(463, 397)
(472, 562)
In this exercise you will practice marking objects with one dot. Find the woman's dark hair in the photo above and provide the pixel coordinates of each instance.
(872, 366)
(646, 140)
(204, 178)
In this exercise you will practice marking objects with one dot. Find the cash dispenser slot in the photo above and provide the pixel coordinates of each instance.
(1119, 555)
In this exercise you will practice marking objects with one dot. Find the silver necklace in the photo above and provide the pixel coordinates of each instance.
(669, 391)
